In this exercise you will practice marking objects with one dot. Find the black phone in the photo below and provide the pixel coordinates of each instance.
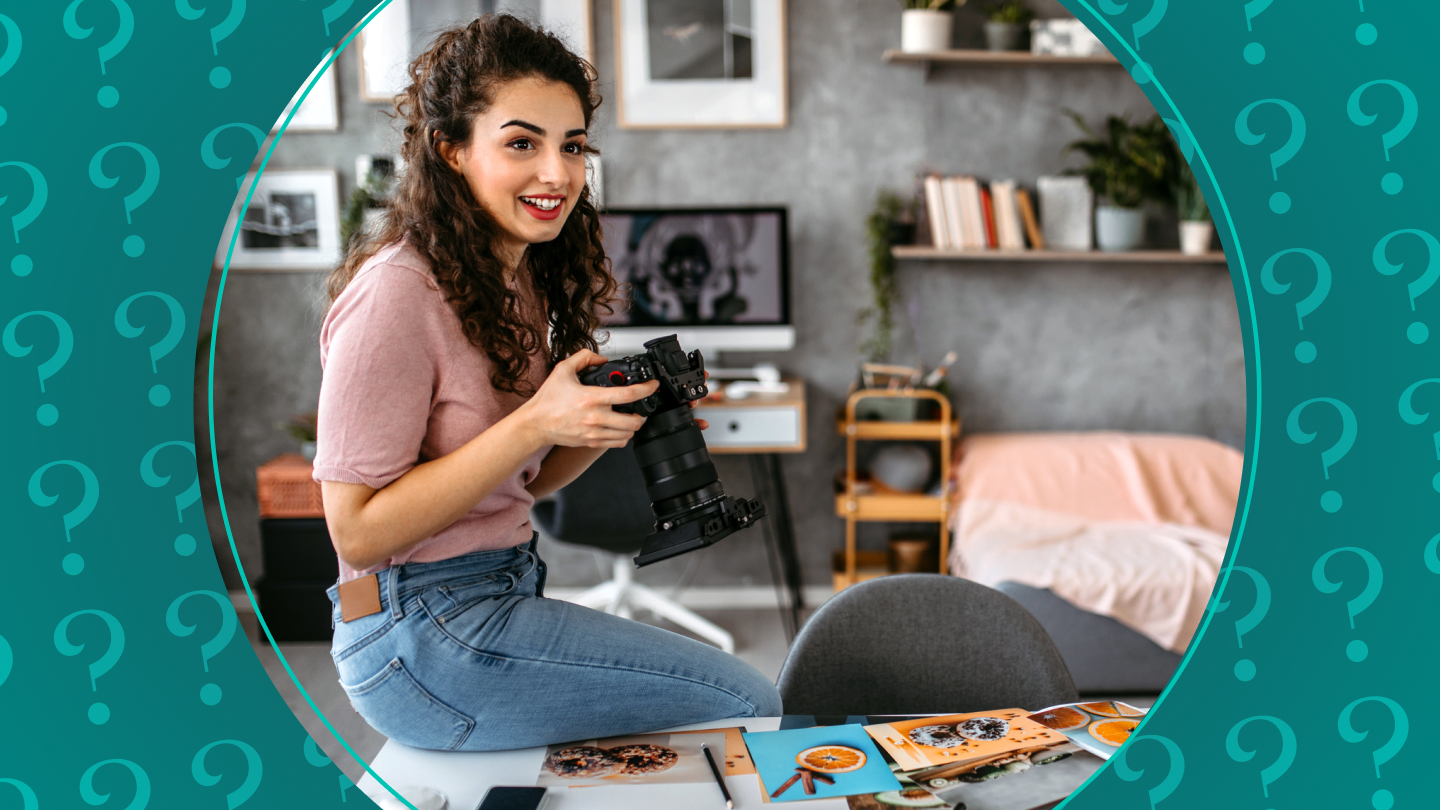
(513, 798)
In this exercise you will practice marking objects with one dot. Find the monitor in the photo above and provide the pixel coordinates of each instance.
(719, 278)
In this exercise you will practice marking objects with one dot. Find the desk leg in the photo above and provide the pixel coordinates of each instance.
(772, 551)
(771, 475)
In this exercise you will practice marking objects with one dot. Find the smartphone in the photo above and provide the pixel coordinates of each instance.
(513, 798)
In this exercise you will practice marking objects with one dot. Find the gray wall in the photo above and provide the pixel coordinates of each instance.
(1042, 347)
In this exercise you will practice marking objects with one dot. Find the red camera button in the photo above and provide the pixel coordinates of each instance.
(617, 378)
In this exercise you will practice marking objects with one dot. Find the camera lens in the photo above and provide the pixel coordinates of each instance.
(679, 475)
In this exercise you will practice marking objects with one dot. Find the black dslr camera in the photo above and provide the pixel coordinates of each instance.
(691, 508)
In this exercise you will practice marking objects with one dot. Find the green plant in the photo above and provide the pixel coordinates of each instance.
(1128, 164)
(370, 194)
(931, 5)
(301, 426)
(880, 237)
(1014, 12)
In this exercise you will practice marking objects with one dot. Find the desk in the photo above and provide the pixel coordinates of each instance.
(464, 778)
(763, 426)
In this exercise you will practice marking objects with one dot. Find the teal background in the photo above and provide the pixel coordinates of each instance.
(1304, 721)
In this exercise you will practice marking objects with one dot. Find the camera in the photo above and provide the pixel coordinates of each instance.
(691, 508)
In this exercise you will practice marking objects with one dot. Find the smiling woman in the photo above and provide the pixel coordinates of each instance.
(450, 401)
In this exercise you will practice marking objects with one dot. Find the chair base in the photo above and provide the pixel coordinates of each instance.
(618, 596)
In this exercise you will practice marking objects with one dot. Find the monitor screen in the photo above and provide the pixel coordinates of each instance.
(693, 267)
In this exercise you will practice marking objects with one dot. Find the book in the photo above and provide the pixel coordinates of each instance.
(1032, 224)
(1007, 216)
(987, 204)
(955, 228)
(935, 211)
(972, 211)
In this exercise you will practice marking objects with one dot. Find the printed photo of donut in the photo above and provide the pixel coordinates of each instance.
(928, 741)
(645, 759)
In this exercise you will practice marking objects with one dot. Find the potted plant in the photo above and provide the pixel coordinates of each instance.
(1006, 23)
(892, 222)
(301, 428)
(925, 25)
(1128, 165)
(1196, 229)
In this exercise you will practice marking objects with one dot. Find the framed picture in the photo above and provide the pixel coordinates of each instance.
(383, 53)
(292, 223)
(319, 111)
(570, 20)
(700, 63)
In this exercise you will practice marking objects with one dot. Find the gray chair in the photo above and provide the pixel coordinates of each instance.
(922, 644)
(1104, 656)
(607, 509)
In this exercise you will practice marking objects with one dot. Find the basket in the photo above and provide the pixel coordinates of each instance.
(286, 490)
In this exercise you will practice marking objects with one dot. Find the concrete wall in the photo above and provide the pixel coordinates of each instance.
(1042, 346)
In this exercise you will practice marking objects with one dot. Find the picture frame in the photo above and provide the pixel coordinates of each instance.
(320, 111)
(382, 52)
(708, 64)
(273, 231)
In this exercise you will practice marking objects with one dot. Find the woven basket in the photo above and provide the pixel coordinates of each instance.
(286, 489)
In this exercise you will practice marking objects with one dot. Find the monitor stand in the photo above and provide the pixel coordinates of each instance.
(761, 378)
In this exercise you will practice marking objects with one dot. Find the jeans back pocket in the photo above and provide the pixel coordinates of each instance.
(397, 706)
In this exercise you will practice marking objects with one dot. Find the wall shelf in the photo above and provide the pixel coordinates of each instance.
(1070, 256)
(976, 57)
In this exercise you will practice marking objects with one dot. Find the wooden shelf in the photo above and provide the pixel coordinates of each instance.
(1072, 256)
(932, 430)
(917, 508)
(975, 57)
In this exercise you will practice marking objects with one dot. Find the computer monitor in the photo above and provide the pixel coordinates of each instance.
(719, 278)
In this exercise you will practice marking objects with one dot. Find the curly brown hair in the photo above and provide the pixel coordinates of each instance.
(433, 208)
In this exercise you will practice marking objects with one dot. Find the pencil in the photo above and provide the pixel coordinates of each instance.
(719, 780)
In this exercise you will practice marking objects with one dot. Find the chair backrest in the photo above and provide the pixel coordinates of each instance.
(922, 644)
(606, 507)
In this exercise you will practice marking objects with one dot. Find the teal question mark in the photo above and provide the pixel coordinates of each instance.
(209, 693)
(108, 95)
(214, 161)
(142, 785)
(46, 414)
(21, 265)
(1171, 780)
(1254, 52)
(247, 788)
(1187, 147)
(27, 796)
(1304, 350)
(1331, 500)
(1416, 332)
(1375, 578)
(316, 757)
(1279, 201)
(1382, 799)
(1411, 417)
(159, 394)
(12, 53)
(1432, 560)
(1141, 70)
(220, 76)
(99, 712)
(1277, 768)
(333, 12)
(7, 660)
(73, 563)
(133, 245)
(147, 473)
(1245, 668)
(1391, 183)
(1365, 34)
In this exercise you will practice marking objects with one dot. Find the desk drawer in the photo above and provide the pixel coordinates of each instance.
(751, 427)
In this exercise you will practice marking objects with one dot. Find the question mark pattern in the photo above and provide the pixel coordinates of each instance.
(1311, 111)
(99, 622)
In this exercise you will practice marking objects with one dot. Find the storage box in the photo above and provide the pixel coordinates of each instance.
(285, 489)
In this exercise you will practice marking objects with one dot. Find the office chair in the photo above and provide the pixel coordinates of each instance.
(922, 644)
(607, 509)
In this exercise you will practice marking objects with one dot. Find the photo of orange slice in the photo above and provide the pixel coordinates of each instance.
(1112, 708)
(1115, 732)
(831, 759)
(1063, 718)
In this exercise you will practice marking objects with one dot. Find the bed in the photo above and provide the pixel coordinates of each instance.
(1112, 540)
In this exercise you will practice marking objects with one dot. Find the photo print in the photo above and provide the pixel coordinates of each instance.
(291, 222)
(700, 39)
(645, 759)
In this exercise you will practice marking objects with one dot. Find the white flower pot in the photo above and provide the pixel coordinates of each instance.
(1119, 229)
(923, 30)
(1195, 237)
(307, 449)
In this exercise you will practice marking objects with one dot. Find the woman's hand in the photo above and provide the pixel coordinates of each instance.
(569, 413)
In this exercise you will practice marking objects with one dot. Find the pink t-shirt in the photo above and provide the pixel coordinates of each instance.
(403, 385)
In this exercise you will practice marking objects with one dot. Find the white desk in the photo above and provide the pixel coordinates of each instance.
(464, 777)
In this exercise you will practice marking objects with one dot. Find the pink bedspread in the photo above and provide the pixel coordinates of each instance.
(1132, 526)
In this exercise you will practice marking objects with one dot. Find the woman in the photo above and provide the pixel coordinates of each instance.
(445, 411)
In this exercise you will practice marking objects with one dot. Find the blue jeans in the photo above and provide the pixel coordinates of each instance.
(466, 654)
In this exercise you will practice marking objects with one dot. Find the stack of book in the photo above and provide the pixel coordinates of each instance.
(964, 213)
